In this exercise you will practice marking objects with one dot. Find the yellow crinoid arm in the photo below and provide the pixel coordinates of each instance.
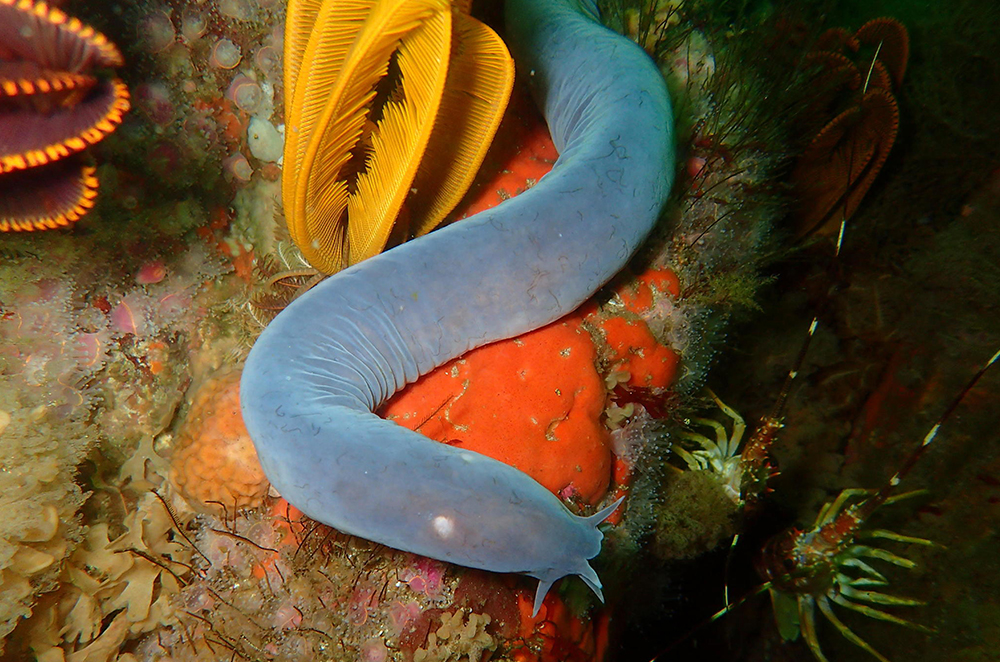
(400, 139)
(300, 17)
(318, 37)
(328, 200)
(480, 78)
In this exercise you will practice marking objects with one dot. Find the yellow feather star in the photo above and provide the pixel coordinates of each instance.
(386, 102)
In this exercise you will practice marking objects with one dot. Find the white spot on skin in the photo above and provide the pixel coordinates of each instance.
(443, 526)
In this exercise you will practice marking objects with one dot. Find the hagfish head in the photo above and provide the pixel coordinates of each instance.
(582, 547)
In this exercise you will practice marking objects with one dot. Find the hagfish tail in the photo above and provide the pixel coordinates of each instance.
(334, 355)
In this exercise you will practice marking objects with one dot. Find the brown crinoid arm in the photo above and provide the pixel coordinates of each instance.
(878, 128)
(837, 169)
(893, 43)
(837, 40)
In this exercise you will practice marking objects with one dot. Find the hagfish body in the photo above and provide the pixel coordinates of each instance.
(327, 361)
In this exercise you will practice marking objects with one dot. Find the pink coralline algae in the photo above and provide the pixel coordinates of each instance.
(151, 272)
(424, 576)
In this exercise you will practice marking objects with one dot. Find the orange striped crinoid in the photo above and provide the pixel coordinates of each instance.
(390, 106)
(52, 107)
(854, 80)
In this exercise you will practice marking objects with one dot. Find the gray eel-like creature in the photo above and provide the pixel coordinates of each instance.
(321, 368)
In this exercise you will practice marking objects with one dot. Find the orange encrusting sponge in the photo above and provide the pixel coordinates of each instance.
(534, 402)
(214, 462)
(639, 297)
(636, 351)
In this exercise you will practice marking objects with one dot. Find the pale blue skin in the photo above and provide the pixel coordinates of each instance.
(334, 355)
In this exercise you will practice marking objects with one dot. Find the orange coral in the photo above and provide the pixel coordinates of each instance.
(534, 402)
(214, 462)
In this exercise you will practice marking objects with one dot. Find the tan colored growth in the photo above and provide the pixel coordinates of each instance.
(459, 638)
(214, 463)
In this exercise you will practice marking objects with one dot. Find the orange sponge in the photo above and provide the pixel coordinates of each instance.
(634, 350)
(214, 461)
(533, 402)
(637, 297)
